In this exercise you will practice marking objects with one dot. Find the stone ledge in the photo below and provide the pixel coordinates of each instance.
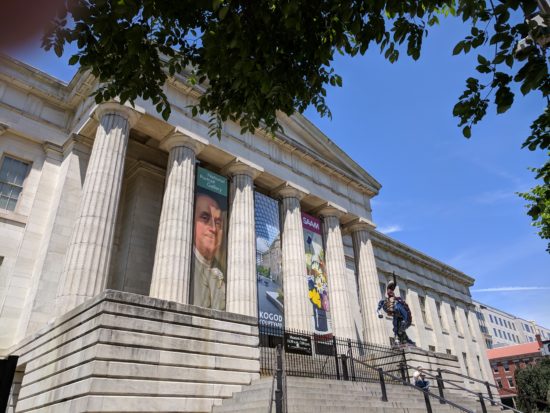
(140, 301)
(118, 346)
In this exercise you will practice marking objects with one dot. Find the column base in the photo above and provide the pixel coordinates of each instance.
(132, 353)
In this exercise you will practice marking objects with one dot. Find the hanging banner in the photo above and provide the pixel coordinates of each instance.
(316, 273)
(268, 262)
(208, 271)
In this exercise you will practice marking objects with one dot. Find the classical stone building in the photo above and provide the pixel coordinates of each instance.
(101, 270)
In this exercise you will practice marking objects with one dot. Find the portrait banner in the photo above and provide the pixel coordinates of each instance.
(208, 269)
(316, 274)
(268, 262)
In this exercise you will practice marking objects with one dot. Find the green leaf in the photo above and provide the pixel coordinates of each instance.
(458, 48)
(467, 132)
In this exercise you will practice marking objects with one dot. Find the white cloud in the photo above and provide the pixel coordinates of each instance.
(390, 229)
(508, 289)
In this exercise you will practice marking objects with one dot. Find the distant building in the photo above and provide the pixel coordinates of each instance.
(504, 362)
(503, 329)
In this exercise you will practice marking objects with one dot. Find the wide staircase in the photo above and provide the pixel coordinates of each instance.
(307, 395)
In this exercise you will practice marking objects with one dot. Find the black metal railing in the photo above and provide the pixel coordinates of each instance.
(384, 376)
(490, 385)
(326, 356)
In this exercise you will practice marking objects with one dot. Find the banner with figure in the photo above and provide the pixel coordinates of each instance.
(316, 273)
(268, 262)
(208, 271)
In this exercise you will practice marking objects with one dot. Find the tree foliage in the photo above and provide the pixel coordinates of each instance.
(533, 386)
(254, 58)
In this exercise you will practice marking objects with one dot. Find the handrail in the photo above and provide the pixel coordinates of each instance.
(425, 392)
(465, 389)
(498, 388)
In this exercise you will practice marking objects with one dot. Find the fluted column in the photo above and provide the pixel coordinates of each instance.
(368, 283)
(89, 253)
(171, 271)
(342, 320)
(242, 295)
(298, 310)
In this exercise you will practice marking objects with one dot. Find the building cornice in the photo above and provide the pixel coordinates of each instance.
(385, 242)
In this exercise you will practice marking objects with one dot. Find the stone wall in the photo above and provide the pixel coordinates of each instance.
(122, 352)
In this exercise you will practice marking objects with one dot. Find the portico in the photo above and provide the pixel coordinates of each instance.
(89, 261)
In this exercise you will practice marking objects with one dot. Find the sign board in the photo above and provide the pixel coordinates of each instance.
(297, 343)
(545, 350)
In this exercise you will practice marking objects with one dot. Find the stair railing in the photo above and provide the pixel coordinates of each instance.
(489, 385)
(479, 396)
(382, 374)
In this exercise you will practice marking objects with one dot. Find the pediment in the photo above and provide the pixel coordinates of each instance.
(305, 136)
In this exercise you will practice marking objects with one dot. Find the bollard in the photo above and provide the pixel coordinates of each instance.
(279, 389)
(428, 402)
(482, 402)
(384, 397)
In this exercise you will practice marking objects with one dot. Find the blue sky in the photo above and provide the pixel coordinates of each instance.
(449, 197)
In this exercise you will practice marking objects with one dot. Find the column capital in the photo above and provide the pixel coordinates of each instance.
(290, 190)
(329, 210)
(3, 128)
(183, 137)
(53, 151)
(131, 114)
(240, 166)
(359, 224)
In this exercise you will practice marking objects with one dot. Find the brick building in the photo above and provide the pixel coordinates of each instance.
(504, 362)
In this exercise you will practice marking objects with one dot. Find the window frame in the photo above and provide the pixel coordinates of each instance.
(9, 155)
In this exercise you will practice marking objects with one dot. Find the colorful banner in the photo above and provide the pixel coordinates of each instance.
(316, 273)
(208, 271)
(268, 262)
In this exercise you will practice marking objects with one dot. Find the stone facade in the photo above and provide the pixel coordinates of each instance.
(107, 204)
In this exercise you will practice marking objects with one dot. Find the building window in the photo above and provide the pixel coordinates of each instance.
(431, 348)
(448, 351)
(488, 343)
(12, 175)
(506, 366)
(423, 309)
(511, 382)
(438, 310)
(453, 312)
(500, 322)
(403, 294)
(464, 357)
(499, 384)
(495, 368)
(491, 318)
(495, 330)
(383, 289)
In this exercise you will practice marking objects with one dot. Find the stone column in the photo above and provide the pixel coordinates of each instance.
(342, 321)
(88, 256)
(242, 295)
(368, 282)
(298, 309)
(170, 280)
